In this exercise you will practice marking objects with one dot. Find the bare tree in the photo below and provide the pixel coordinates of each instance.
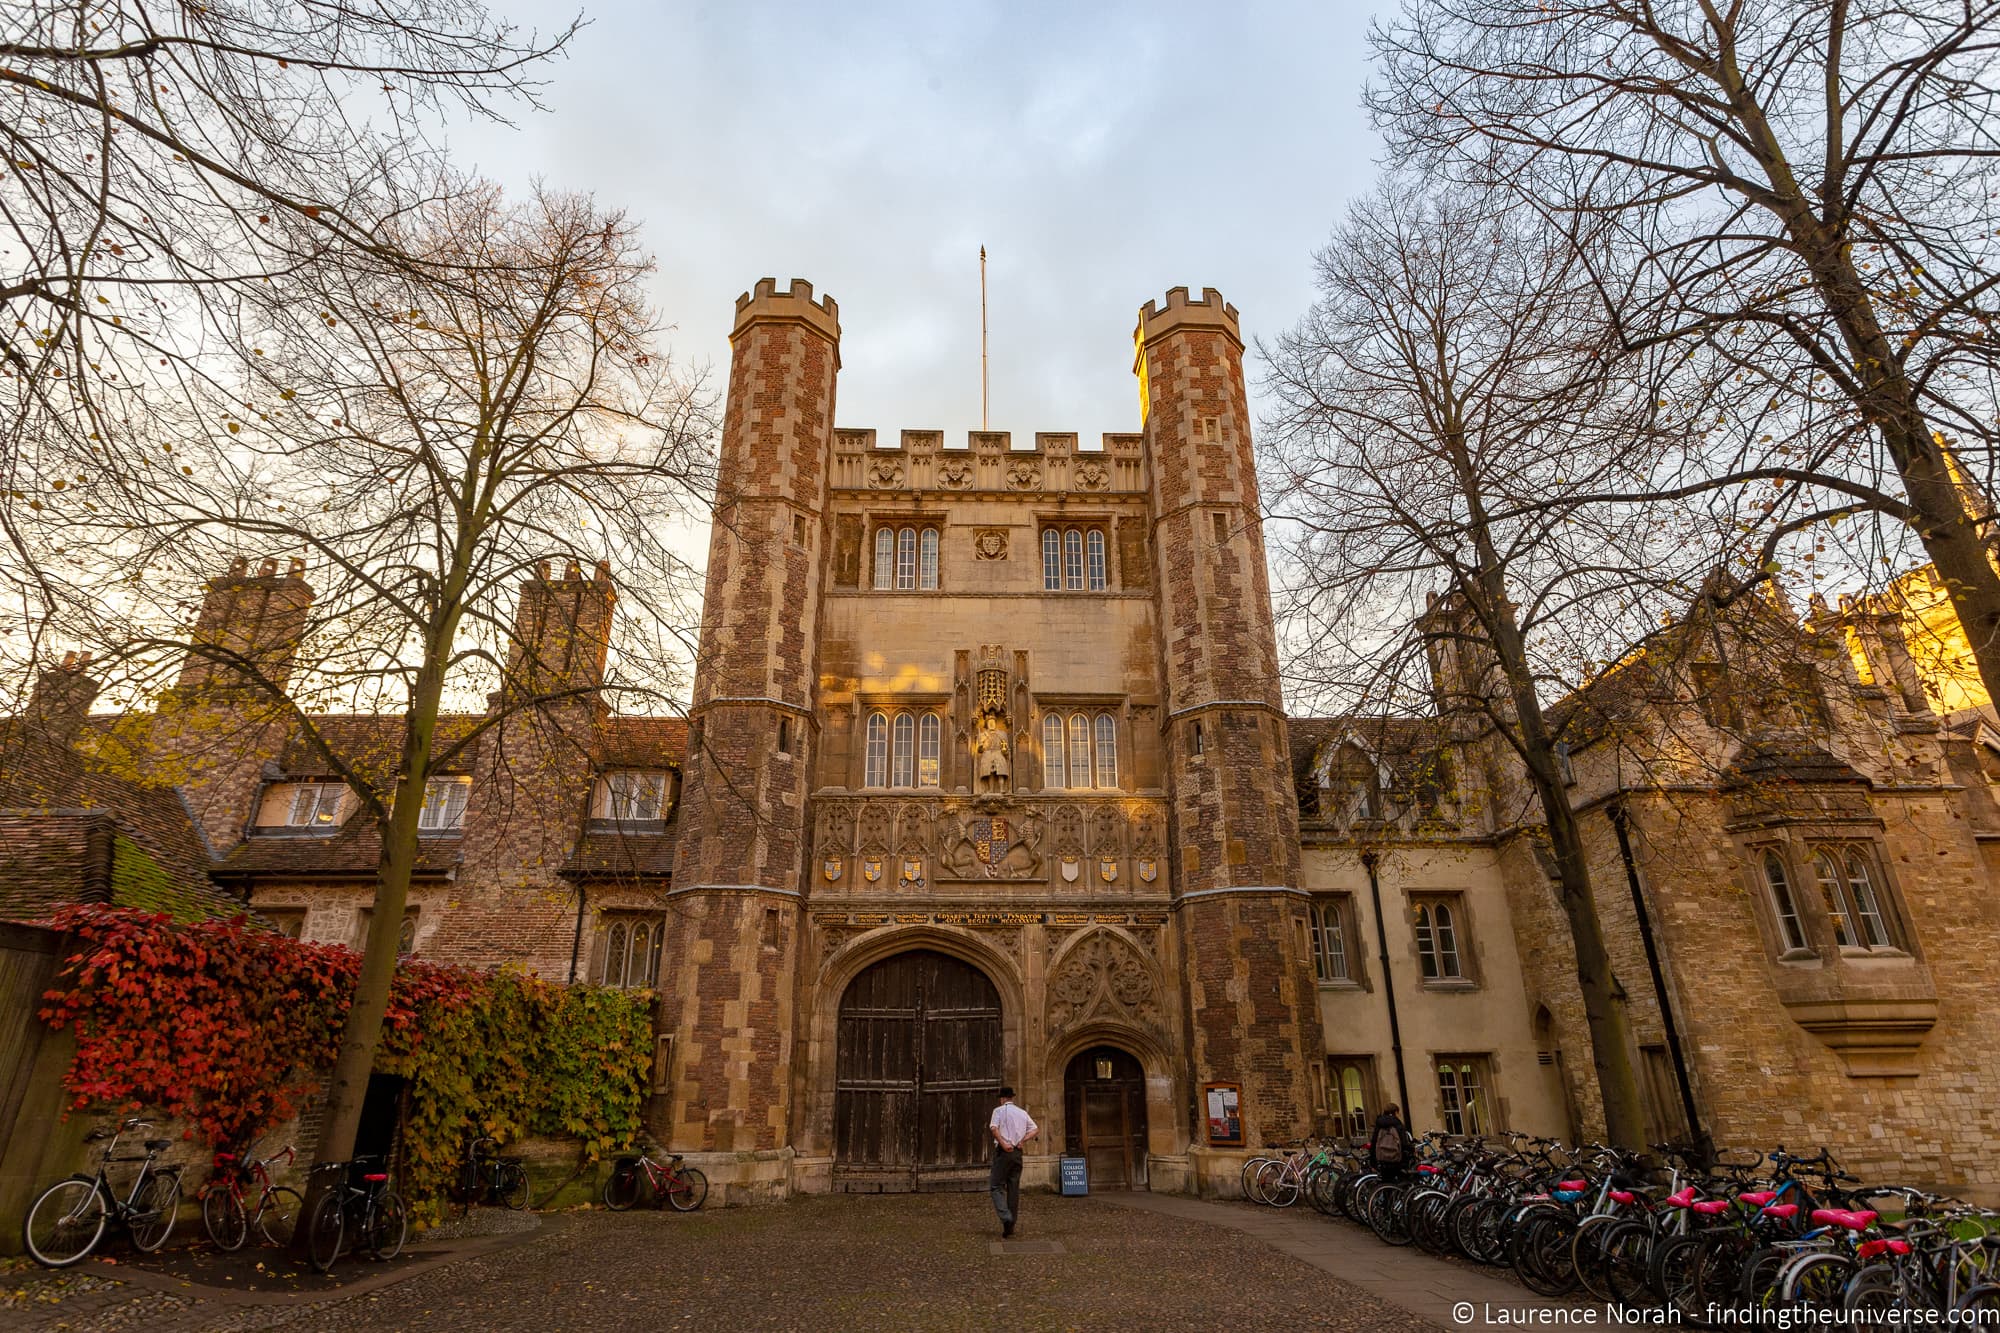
(158, 159)
(1443, 408)
(421, 436)
(1813, 187)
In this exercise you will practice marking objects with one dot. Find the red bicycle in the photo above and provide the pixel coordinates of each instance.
(228, 1215)
(668, 1182)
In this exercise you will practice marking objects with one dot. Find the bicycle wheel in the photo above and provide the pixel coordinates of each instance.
(222, 1216)
(1673, 1278)
(65, 1223)
(153, 1212)
(1248, 1176)
(328, 1230)
(688, 1190)
(1718, 1269)
(514, 1186)
(1983, 1299)
(1587, 1257)
(621, 1191)
(1389, 1214)
(1276, 1185)
(1543, 1261)
(1761, 1285)
(1816, 1282)
(278, 1215)
(1628, 1256)
(388, 1226)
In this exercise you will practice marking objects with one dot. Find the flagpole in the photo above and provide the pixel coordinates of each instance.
(982, 339)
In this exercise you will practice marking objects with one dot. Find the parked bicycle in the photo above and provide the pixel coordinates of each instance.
(670, 1182)
(70, 1217)
(228, 1213)
(358, 1210)
(486, 1178)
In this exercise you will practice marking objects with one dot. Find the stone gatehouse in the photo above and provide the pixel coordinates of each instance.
(987, 779)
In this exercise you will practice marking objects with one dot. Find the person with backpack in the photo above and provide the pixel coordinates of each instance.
(1389, 1149)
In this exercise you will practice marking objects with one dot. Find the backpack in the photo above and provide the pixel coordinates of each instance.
(1388, 1146)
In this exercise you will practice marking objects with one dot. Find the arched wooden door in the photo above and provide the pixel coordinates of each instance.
(1104, 1116)
(917, 1074)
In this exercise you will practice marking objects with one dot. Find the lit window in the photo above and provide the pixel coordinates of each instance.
(906, 559)
(878, 751)
(316, 805)
(1073, 559)
(927, 559)
(1107, 750)
(1437, 942)
(632, 797)
(1790, 931)
(406, 936)
(929, 735)
(1079, 750)
(1051, 560)
(1462, 1095)
(885, 558)
(1329, 940)
(1053, 774)
(903, 755)
(1830, 887)
(444, 804)
(1094, 561)
(1350, 1097)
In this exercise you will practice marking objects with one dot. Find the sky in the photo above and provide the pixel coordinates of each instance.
(1102, 152)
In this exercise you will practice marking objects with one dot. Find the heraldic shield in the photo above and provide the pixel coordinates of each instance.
(989, 838)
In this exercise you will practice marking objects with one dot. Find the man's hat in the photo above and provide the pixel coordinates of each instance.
(1006, 1093)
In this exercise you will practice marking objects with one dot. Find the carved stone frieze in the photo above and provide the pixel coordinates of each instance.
(990, 544)
(885, 474)
(1024, 474)
(1091, 475)
(955, 473)
(1104, 978)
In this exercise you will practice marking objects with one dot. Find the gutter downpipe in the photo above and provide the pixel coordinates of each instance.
(1371, 861)
(1619, 821)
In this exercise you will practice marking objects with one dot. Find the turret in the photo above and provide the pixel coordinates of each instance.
(739, 871)
(1254, 1006)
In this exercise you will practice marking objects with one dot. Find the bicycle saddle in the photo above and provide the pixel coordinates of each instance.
(1574, 1185)
(1783, 1211)
(376, 1177)
(1681, 1198)
(1758, 1198)
(1841, 1217)
(1622, 1196)
(224, 1158)
(1869, 1249)
(158, 1145)
(1710, 1207)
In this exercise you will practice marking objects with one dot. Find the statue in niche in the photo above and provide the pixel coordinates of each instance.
(994, 774)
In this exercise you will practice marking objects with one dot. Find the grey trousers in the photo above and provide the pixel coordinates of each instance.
(1005, 1178)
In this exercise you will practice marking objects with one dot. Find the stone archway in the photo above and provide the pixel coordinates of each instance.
(918, 1064)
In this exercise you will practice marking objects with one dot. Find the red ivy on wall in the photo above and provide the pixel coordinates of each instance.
(220, 1023)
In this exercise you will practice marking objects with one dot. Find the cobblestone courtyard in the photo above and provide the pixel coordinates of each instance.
(900, 1262)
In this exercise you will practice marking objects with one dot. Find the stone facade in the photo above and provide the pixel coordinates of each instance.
(1013, 709)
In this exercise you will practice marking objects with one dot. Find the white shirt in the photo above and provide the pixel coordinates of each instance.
(1013, 1123)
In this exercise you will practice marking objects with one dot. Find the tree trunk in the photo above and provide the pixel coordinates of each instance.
(347, 1090)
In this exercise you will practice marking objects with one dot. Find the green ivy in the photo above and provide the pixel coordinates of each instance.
(526, 1060)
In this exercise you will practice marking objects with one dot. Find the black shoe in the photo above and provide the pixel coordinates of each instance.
(1007, 1231)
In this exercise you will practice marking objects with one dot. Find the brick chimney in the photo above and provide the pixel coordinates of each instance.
(251, 620)
(61, 700)
(562, 632)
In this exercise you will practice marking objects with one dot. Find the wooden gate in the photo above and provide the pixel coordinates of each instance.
(1104, 1117)
(918, 1072)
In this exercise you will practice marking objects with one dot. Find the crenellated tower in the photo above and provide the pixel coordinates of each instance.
(739, 871)
(1253, 1005)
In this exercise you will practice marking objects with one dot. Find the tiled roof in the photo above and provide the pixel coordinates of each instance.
(644, 742)
(607, 851)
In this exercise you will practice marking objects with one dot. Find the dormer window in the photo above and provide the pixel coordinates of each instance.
(632, 796)
(444, 805)
(316, 804)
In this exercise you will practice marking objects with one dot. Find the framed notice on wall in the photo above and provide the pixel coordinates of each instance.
(1222, 1104)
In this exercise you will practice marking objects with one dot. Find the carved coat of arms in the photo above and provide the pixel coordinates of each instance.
(989, 838)
(1107, 868)
(871, 868)
(831, 868)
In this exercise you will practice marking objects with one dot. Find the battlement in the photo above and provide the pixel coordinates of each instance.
(765, 303)
(1184, 311)
(920, 461)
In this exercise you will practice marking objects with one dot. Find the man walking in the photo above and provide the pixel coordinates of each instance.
(1011, 1127)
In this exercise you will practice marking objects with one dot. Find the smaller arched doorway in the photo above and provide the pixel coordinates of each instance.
(1104, 1116)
